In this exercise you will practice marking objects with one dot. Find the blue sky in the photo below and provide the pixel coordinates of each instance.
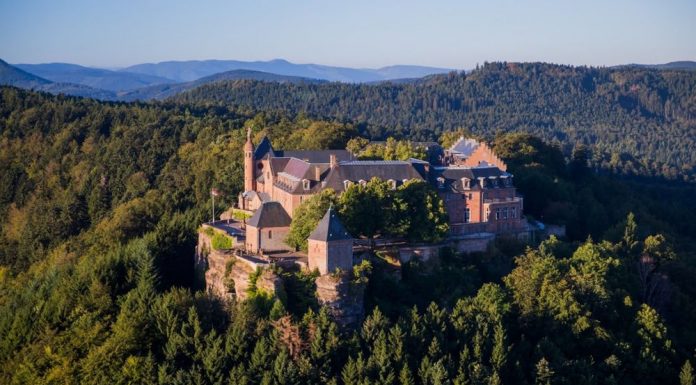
(356, 33)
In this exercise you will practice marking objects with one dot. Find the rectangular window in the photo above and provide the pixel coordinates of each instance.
(488, 213)
(270, 236)
(467, 213)
(505, 213)
(497, 214)
(513, 212)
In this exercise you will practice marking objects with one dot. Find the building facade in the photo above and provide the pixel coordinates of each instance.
(473, 182)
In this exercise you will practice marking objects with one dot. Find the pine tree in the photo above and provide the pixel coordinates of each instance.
(544, 373)
(686, 376)
(405, 376)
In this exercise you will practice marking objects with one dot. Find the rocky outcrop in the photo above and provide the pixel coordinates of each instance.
(269, 282)
(246, 279)
(343, 298)
(217, 272)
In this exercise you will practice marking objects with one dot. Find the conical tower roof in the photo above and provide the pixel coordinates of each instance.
(329, 228)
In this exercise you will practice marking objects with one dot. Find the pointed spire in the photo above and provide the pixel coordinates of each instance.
(330, 228)
(248, 146)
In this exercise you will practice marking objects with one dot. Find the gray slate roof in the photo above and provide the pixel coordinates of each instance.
(329, 228)
(464, 146)
(263, 148)
(270, 214)
(315, 156)
(453, 176)
(355, 171)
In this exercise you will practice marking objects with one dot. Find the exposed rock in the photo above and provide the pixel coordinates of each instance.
(343, 298)
(240, 274)
(269, 282)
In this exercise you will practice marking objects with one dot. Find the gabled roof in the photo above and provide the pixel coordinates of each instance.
(316, 156)
(270, 214)
(296, 167)
(453, 176)
(329, 228)
(263, 148)
(464, 147)
(355, 171)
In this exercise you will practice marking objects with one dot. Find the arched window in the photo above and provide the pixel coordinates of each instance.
(305, 184)
(346, 184)
(466, 183)
(392, 184)
(362, 182)
(440, 182)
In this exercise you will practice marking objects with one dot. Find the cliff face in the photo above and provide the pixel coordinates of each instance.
(343, 298)
(226, 275)
(244, 278)
(216, 274)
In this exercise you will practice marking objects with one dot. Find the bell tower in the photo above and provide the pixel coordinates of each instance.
(249, 184)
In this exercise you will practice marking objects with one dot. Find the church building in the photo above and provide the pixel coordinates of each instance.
(473, 182)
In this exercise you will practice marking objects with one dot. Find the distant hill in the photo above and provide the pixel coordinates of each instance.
(191, 70)
(92, 77)
(675, 65)
(13, 76)
(638, 120)
(166, 90)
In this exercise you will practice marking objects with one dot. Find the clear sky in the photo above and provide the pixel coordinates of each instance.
(355, 33)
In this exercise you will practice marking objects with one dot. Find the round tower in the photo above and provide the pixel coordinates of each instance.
(248, 163)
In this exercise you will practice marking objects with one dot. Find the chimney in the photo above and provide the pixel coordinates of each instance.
(317, 173)
(332, 160)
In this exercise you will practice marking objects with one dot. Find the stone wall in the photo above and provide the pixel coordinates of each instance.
(473, 243)
(423, 252)
(266, 239)
(343, 299)
(329, 256)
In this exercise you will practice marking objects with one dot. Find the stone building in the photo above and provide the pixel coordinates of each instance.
(473, 182)
(267, 229)
(330, 247)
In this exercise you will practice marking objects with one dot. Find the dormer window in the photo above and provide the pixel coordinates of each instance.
(362, 182)
(466, 183)
(440, 182)
(346, 184)
(305, 184)
(392, 184)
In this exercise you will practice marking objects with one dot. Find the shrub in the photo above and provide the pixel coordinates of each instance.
(222, 241)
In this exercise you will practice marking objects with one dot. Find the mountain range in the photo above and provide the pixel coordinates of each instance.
(13, 76)
(163, 91)
(165, 79)
(93, 77)
(184, 71)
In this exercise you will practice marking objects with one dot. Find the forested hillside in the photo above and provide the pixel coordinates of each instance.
(636, 121)
(101, 202)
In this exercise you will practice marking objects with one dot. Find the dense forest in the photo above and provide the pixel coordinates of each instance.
(636, 121)
(102, 201)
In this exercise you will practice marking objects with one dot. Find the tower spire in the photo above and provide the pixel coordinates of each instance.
(249, 176)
